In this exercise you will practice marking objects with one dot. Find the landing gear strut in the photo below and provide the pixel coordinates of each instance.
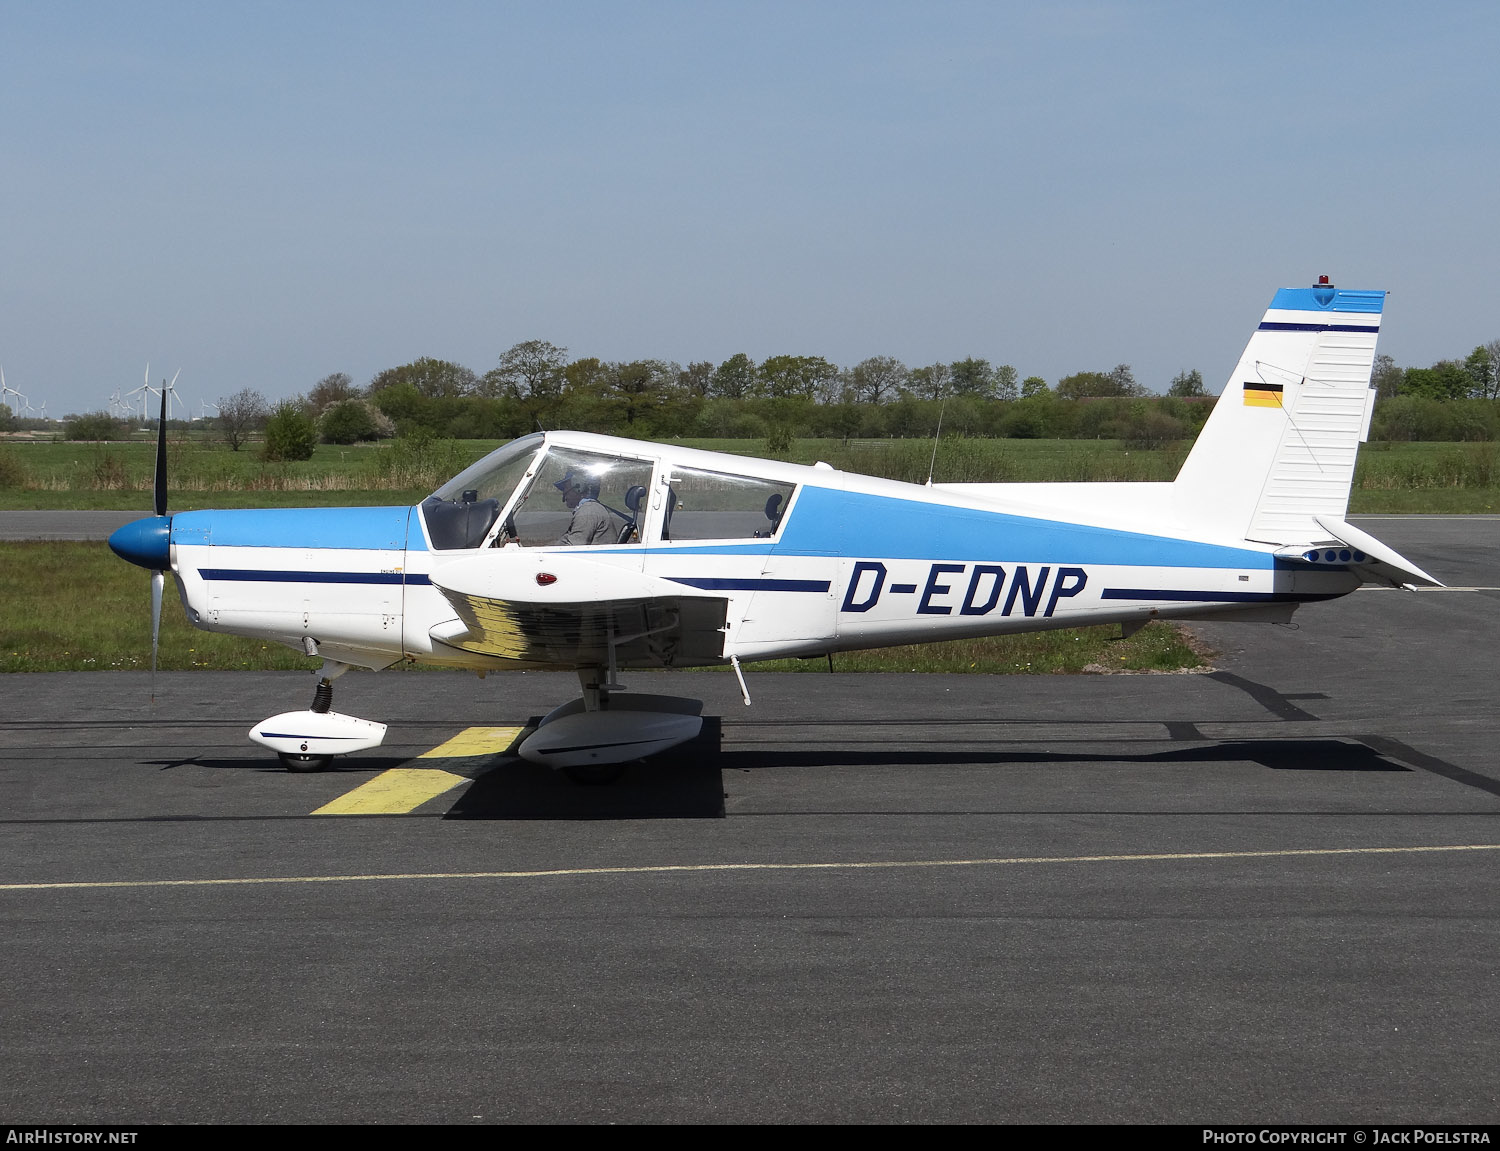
(596, 686)
(322, 704)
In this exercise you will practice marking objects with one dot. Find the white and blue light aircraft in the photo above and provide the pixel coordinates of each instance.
(596, 554)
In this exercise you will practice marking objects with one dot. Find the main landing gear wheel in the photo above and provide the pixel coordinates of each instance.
(305, 762)
(595, 774)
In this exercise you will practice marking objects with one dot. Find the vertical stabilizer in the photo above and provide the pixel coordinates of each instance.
(1279, 448)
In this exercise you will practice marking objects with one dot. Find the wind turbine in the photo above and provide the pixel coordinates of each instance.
(6, 392)
(145, 391)
(169, 391)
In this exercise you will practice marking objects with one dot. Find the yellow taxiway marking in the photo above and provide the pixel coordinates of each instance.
(404, 789)
(663, 869)
(475, 741)
(394, 792)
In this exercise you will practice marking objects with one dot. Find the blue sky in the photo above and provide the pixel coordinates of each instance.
(261, 194)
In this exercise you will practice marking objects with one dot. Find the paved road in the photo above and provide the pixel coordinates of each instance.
(68, 525)
(1263, 895)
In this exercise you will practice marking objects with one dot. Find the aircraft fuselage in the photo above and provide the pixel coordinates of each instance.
(852, 562)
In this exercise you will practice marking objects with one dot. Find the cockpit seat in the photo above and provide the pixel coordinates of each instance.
(635, 498)
(462, 524)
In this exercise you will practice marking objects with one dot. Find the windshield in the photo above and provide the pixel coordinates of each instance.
(495, 476)
(461, 513)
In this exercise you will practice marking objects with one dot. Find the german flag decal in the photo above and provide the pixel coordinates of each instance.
(1262, 395)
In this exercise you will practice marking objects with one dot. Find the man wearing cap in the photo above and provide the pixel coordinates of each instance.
(591, 523)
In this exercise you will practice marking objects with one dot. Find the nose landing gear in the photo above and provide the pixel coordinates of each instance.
(308, 740)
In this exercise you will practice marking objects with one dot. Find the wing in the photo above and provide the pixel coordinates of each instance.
(564, 610)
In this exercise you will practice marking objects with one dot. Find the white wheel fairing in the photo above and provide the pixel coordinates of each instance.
(317, 733)
(599, 737)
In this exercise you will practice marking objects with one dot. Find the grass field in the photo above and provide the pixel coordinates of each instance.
(75, 607)
(1406, 477)
(118, 476)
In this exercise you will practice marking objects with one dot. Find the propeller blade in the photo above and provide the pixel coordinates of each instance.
(158, 580)
(159, 487)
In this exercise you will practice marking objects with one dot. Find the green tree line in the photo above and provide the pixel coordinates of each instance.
(535, 384)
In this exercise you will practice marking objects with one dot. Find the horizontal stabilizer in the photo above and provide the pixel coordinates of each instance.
(1385, 564)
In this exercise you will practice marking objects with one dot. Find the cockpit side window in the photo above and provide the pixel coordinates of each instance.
(720, 506)
(582, 499)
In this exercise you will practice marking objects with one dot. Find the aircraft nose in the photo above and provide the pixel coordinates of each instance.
(145, 543)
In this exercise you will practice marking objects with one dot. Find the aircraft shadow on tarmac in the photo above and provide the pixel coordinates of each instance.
(682, 783)
(362, 765)
(1276, 754)
(687, 782)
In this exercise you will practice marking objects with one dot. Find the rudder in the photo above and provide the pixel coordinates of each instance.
(1279, 449)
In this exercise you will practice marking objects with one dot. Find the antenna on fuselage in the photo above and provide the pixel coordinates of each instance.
(936, 436)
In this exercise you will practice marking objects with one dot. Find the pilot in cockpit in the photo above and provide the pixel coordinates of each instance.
(591, 522)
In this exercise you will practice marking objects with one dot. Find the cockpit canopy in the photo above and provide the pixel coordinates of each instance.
(559, 495)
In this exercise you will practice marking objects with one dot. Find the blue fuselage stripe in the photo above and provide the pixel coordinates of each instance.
(1178, 595)
(252, 575)
(706, 584)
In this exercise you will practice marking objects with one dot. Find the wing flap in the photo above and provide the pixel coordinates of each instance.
(570, 611)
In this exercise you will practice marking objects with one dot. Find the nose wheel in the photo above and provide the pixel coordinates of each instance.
(305, 762)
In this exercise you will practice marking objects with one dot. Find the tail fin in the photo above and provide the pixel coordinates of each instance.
(1278, 450)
